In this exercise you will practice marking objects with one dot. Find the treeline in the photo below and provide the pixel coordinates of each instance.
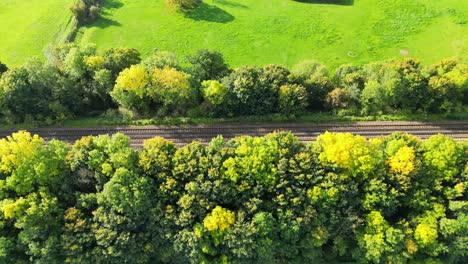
(270, 199)
(78, 80)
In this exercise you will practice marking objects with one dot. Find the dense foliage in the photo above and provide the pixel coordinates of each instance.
(270, 199)
(77, 81)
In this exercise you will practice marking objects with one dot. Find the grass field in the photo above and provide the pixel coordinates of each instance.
(287, 32)
(27, 26)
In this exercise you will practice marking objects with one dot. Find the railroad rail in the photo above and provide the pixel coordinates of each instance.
(182, 135)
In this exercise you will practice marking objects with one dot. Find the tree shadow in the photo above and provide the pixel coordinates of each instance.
(104, 22)
(328, 2)
(111, 4)
(230, 3)
(210, 13)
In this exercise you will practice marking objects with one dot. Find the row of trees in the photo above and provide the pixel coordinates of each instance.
(270, 199)
(78, 80)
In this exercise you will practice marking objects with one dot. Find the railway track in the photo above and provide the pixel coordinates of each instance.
(182, 135)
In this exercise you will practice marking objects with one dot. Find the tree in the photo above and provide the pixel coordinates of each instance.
(184, 4)
(86, 11)
(292, 99)
(35, 187)
(207, 65)
(314, 77)
(253, 90)
(3, 68)
(447, 86)
(214, 92)
(118, 59)
(123, 218)
(83, 77)
(337, 99)
(161, 59)
(172, 89)
(131, 87)
(31, 92)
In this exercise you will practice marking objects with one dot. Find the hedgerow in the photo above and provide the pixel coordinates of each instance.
(79, 81)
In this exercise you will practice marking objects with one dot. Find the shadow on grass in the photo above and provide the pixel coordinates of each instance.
(229, 3)
(111, 4)
(205, 12)
(328, 2)
(104, 22)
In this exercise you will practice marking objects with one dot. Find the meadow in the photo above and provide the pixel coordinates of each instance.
(287, 32)
(28, 26)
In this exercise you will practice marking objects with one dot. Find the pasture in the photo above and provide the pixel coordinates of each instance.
(287, 32)
(28, 26)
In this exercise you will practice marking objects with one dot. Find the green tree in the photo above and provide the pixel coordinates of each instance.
(118, 59)
(3, 68)
(207, 65)
(314, 77)
(292, 99)
(184, 4)
(172, 90)
(19, 90)
(161, 59)
(131, 89)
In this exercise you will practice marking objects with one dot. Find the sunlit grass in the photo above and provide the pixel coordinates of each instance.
(287, 31)
(27, 26)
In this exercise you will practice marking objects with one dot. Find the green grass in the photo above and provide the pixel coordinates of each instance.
(27, 26)
(287, 32)
(308, 118)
